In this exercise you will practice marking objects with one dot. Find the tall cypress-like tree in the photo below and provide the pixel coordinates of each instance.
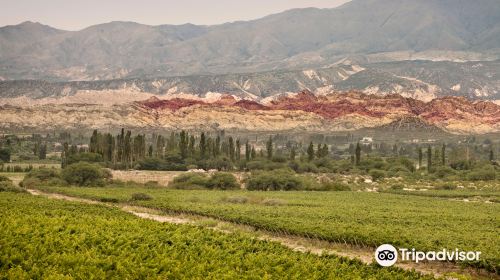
(247, 151)
(203, 146)
(192, 142)
(293, 153)
(183, 144)
(443, 155)
(429, 158)
(310, 151)
(253, 153)
(231, 148)
(420, 157)
(358, 154)
(238, 149)
(269, 147)
(492, 155)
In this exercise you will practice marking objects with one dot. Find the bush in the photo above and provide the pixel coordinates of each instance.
(223, 181)
(40, 176)
(273, 181)
(86, 157)
(161, 165)
(43, 174)
(5, 179)
(141, 196)
(443, 172)
(85, 174)
(335, 186)
(189, 181)
(377, 175)
(6, 185)
(397, 187)
(446, 186)
(482, 175)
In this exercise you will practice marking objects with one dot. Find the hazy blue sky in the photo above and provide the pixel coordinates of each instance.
(75, 15)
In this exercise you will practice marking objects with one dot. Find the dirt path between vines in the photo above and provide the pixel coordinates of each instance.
(295, 243)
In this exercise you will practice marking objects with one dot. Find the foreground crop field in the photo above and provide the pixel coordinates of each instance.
(41, 238)
(369, 219)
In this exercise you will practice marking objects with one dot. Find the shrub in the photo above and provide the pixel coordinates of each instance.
(446, 186)
(482, 175)
(272, 181)
(222, 181)
(6, 185)
(397, 187)
(85, 174)
(87, 157)
(141, 196)
(5, 179)
(335, 186)
(189, 181)
(443, 172)
(43, 174)
(40, 176)
(161, 165)
(377, 174)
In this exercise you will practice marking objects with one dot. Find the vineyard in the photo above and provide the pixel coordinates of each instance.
(360, 218)
(43, 238)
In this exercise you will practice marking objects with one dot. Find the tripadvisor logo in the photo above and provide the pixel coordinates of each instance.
(387, 255)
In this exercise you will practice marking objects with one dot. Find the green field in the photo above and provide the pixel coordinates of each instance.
(368, 219)
(49, 239)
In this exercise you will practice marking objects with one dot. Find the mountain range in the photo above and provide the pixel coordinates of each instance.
(299, 112)
(388, 64)
(365, 30)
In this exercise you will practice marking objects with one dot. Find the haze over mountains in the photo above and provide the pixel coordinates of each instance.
(369, 30)
(431, 51)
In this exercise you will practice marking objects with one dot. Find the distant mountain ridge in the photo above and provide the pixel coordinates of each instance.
(422, 80)
(369, 30)
(301, 112)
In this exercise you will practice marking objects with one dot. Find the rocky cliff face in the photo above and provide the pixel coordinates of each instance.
(303, 111)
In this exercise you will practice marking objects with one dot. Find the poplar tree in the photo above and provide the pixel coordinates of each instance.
(203, 146)
(429, 158)
(358, 154)
(269, 147)
(310, 151)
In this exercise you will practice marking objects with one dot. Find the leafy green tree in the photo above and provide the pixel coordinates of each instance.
(85, 174)
(5, 155)
(223, 181)
(43, 151)
(293, 154)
